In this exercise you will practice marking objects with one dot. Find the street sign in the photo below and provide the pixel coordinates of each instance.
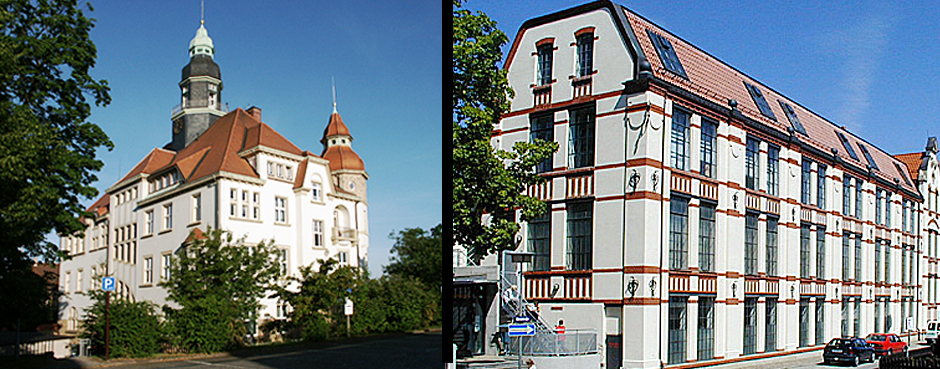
(349, 306)
(522, 319)
(521, 330)
(909, 323)
(107, 283)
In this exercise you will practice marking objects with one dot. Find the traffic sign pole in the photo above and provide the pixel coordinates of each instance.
(107, 325)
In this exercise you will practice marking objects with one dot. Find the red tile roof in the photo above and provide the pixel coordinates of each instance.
(911, 162)
(718, 82)
(156, 159)
(101, 206)
(335, 127)
(195, 234)
(343, 157)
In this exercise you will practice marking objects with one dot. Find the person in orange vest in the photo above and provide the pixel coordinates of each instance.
(560, 328)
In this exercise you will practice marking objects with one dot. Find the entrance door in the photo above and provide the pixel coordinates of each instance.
(614, 360)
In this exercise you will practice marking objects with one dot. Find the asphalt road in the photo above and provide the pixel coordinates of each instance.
(809, 360)
(393, 351)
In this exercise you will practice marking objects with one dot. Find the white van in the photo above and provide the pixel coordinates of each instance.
(933, 329)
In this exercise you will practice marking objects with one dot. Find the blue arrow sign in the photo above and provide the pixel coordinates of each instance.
(521, 330)
(107, 283)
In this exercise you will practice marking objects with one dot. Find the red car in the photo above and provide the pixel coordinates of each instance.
(886, 343)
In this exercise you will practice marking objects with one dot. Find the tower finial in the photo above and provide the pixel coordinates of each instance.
(202, 15)
(334, 93)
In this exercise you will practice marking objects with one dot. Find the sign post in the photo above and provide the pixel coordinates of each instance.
(349, 311)
(910, 326)
(107, 285)
(520, 330)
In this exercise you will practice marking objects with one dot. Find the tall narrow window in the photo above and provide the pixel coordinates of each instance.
(846, 252)
(706, 328)
(580, 235)
(846, 195)
(770, 334)
(858, 198)
(168, 216)
(545, 63)
(149, 222)
(773, 169)
(315, 192)
(280, 210)
(806, 181)
(750, 244)
(804, 322)
(820, 318)
(904, 265)
(165, 270)
(888, 209)
(282, 261)
(678, 233)
(858, 315)
(709, 142)
(878, 315)
(820, 252)
(680, 139)
(318, 233)
(751, 175)
(750, 325)
(542, 129)
(197, 208)
(887, 247)
(540, 234)
(821, 186)
(804, 251)
(585, 54)
(878, 260)
(148, 270)
(581, 142)
(772, 246)
(677, 324)
(706, 246)
(845, 317)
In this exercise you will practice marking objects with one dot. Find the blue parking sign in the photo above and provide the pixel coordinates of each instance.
(107, 283)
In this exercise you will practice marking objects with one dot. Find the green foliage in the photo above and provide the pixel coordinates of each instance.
(218, 283)
(47, 149)
(418, 253)
(28, 297)
(319, 301)
(408, 303)
(487, 180)
(136, 330)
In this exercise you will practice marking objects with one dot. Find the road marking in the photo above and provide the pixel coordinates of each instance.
(214, 364)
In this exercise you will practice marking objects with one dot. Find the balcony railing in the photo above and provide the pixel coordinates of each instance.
(344, 234)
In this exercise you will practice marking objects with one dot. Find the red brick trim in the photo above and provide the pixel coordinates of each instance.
(583, 31)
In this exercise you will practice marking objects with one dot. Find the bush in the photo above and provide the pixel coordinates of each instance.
(204, 326)
(136, 330)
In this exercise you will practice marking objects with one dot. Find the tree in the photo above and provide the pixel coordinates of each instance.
(418, 253)
(317, 306)
(136, 330)
(487, 181)
(47, 149)
(218, 283)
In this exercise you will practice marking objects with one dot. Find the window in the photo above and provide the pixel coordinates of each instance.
(680, 139)
(771, 246)
(821, 186)
(244, 210)
(878, 260)
(761, 102)
(168, 216)
(904, 265)
(887, 248)
(197, 208)
(846, 195)
(68, 282)
(233, 209)
(848, 147)
(270, 173)
(750, 325)
(256, 202)
(806, 180)
(282, 261)
(709, 142)
(148, 270)
(902, 173)
(858, 314)
(165, 268)
(858, 198)
(879, 197)
(314, 192)
(580, 237)
(79, 283)
(792, 117)
(773, 169)
(540, 232)
(845, 256)
(751, 174)
(542, 128)
(280, 210)
(750, 243)
(282, 309)
(706, 244)
(820, 252)
(317, 233)
(678, 233)
(585, 54)
(868, 156)
(804, 322)
(677, 322)
(581, 143)
(820, 317)
(706, 328)
(770, 333)
(545, 63)
(95, 278)
(845, 317)
(804, 251)
(904, 216)
(667, 54)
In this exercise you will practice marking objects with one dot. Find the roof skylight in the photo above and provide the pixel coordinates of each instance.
(791, 116)
(902, 173)
(868, 156)
(667, 54)
(761, 102)
(848, 147)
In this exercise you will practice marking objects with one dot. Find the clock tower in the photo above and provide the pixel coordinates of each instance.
(201, 92)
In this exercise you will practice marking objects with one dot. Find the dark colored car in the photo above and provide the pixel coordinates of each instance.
(851, 350)
(886, 343)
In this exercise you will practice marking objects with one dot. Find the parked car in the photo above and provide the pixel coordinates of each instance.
(886, 343)
(933, 330)
(851, 350)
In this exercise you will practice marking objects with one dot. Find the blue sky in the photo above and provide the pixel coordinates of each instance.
(869, 66)
(280, 56)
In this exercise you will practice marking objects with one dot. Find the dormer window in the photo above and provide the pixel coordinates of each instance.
(315, 191)
(585, 53)
(544, 51)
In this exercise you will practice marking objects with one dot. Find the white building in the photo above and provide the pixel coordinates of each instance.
(697, 215)
(225, 170)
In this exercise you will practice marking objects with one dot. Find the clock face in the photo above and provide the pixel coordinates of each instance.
(177, 126)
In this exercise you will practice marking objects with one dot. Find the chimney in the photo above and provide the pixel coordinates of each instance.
(255, 112)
